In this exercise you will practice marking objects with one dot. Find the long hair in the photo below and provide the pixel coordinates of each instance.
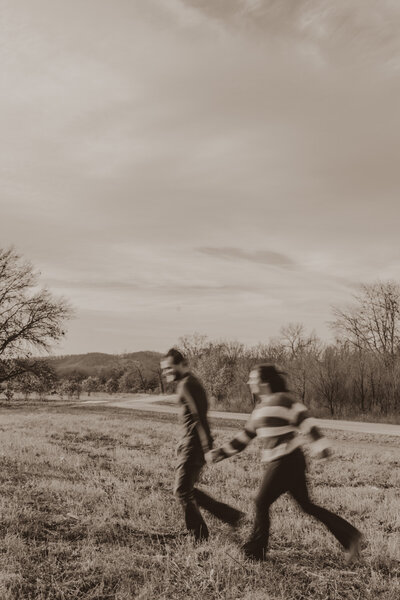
(269, 374)
(177, 357)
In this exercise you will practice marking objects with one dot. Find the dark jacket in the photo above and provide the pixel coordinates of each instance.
(196, 437)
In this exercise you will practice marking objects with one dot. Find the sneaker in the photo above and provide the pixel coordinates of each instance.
(354, 549)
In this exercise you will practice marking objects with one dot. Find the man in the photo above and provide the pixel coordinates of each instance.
(195, 442)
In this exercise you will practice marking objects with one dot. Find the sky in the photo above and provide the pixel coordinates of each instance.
(223, 167)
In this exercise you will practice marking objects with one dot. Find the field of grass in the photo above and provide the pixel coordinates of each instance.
(87, 512)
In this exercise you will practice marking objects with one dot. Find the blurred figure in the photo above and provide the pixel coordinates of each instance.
(195, 442)
(277, 420)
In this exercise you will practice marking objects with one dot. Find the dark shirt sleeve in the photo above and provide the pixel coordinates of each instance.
(196, 400)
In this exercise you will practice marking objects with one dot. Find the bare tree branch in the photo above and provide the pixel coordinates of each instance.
(30, 320)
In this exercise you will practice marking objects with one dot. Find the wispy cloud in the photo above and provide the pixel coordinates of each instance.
(265, 257)
(359, 30)
(177, 288)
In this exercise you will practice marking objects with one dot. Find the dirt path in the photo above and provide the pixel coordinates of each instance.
(147, 403)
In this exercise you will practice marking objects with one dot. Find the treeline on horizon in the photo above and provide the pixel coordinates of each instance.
(356, 376)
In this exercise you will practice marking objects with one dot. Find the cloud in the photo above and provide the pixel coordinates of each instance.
(344, 32)
(159, 287)
(265, 257)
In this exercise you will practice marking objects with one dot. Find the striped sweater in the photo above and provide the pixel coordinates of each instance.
(279, 420)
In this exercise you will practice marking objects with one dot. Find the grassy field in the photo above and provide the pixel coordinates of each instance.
(87, 512)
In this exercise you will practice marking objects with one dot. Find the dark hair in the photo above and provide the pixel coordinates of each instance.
(177, 357)
(270, 374)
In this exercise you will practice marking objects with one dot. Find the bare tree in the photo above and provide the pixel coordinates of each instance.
(328, 378)
(194, 346)
(31, 319)
(373, 321)
(301, 351)
(295, 339)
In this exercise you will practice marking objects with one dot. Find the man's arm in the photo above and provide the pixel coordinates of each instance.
(203, 432)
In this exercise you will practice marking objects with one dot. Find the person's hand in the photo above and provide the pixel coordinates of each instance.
(213, 456)
(325, 453)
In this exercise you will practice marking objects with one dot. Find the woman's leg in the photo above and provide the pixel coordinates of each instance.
(343, 531)
(274, 483)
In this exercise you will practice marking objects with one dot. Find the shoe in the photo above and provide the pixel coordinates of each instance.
(200, 534)
(259, 555)
(354, 549)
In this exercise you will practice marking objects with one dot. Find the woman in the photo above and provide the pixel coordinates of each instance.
(277, 421)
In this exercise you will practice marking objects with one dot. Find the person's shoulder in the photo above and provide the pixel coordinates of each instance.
(283, 399)
(192, 383)
(188, 380)
(191, 378)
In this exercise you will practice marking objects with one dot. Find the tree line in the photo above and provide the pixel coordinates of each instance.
(124, 377)
(355, 375)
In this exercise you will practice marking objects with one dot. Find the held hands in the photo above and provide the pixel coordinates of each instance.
(213, 456)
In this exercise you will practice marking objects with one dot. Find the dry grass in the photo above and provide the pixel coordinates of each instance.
(88, 513)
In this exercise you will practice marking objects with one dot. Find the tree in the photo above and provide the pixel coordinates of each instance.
(373, 321)
(130, 381)
(301, 350)
(70, 388)
(25, 384)
(193, 346)
(112, 386)
(90, 384)
(328, 378)
(9, 393)
(217, 368)
(31, 319)
(41, 380)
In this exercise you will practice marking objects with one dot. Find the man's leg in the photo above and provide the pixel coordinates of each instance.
(343, 531)
(273, 485)
(222, 511)
(187, 474)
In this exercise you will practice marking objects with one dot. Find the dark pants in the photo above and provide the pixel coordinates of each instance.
(187, 474)
(288, 474)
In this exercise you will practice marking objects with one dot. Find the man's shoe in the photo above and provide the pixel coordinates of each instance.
(354, 549)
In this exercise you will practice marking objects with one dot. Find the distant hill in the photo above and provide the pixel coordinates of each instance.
(94, 363)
